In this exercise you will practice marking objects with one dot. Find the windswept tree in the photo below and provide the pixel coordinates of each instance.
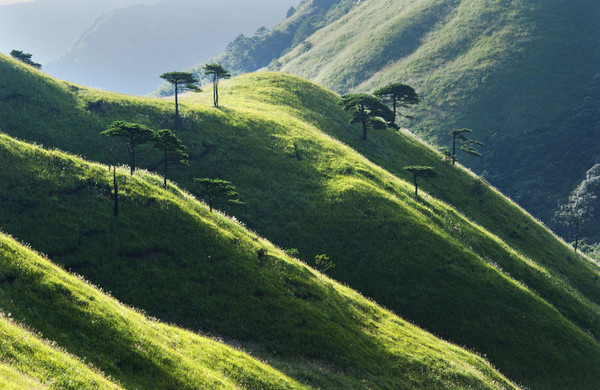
(173, 150)
(182, 81)
(133, 134)
(400, 95)
(25, 58)
(420, 171)
(467, 145)
(217, 72)
(218, 191)
(368, 111)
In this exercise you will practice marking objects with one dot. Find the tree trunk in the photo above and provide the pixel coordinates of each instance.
(416, 186)
(177, 121)
(453, 148)
(116, 191)
(131, 148)
(165, 176)
(363, 121)
(215, 91)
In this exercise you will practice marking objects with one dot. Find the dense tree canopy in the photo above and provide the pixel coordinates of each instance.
(181, 81)
(133, 134)
(399, 95)
(25, 58)
(368, 111)
(173, 150)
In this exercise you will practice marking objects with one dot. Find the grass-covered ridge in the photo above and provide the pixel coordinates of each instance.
(512, 71)
(503, 286)
(125, 345)
(285, 310)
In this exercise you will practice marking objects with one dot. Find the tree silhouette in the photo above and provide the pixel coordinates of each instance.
(25, 58)
(420, 171)
(399, 95)
(217, 72)
(368, 111)
(578, 210)
(133, 134)
(183, 81)
(217, 191)
(466, 144)
(172, 148)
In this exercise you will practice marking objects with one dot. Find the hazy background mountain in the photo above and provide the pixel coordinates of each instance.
(49, 28)
(124, 45)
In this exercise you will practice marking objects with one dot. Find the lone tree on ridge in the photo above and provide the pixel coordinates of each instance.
(466, 144)
(400, 95)
(133, 134)
(25, 58)
(368, 111)
(217, 191)
(420, 171)
(172, 148)
(217, 72)
(184, 81)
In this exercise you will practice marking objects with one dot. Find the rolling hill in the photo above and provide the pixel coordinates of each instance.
(516, 72)
(309, 326)
(462, 260)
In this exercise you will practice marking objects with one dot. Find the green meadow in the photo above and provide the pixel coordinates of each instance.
(461, 261)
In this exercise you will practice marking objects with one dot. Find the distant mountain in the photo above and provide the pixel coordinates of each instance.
(49, 28)
(127, 49)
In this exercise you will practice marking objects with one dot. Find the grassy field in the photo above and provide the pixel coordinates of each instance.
(461, 261)
(512, 71)
(305, 324)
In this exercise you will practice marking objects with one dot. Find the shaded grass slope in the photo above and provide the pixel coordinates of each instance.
(512, 70)
(168, 253)
(532, 307)
(131, 349)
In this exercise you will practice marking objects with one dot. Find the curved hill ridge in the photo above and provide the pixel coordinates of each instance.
(503, 286)
(275, 302)
(513, 71)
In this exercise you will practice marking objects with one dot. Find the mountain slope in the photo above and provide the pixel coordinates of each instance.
(512, 71)
(282, 307)
(505, 286)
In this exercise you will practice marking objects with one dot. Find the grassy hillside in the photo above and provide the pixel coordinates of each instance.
(302, 322)
(512, 71)
(125, 345)
(497, 282)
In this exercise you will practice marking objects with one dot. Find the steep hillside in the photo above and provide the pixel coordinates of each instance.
(512, 71)
(304, 323)
(497, 282)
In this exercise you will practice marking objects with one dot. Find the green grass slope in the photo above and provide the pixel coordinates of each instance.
(513, 291)
(510, 70)
(132, 349)
(27, 362)
(306, 324)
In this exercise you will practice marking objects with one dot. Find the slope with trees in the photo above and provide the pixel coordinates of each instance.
(304, 189)
(516, 71)
(174, 258)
